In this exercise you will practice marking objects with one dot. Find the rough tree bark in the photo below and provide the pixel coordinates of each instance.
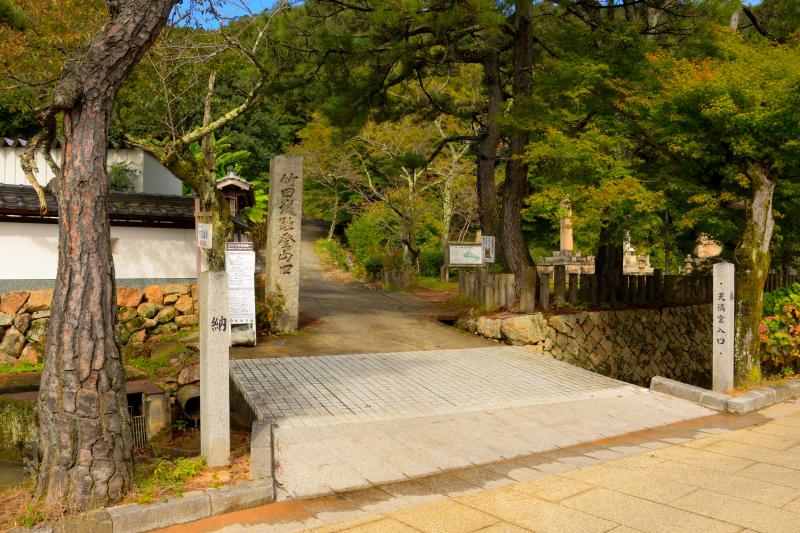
(515, 254)
(487, 147)
(84, 427)
(752, 267)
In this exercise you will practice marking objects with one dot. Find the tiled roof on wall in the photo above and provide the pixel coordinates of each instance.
(20, 203)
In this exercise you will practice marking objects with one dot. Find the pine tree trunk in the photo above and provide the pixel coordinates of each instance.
(487, 147)
(515, 255)
(84, 427)
(752, 267)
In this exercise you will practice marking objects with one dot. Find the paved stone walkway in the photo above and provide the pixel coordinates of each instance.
(721, 473)
(340, 315)
(351, 421)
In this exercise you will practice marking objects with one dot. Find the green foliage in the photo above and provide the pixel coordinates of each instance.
(775, 301)
(122, 177)
(780, 331)
(267, 310)
(366, 238)
(373, 267)
(151, 365)
(12, 16)
(21, 367)
(166, 475)
(332, 252)
(181, 424)
(430, 261)
(17, 427)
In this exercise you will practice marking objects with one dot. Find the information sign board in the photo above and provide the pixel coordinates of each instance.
(465, 254)
(240, 263)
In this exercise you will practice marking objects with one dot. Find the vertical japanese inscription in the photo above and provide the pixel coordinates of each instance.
(722, 332)
(287, 221)
(283, 236)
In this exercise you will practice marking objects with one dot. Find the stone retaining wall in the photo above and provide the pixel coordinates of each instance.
(630, 345)
(142, 315)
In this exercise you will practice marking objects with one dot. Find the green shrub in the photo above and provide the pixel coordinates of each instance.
(430, 262)
(332, 252)
(780, 331)
(373, 267)
(365, 238)
(775, 301)
(121, 177)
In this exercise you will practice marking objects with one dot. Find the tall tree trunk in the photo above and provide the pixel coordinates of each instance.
(516, 256)
(752, 263)
(212, 200)
(335, 214)
(84, 427)
(487, 147)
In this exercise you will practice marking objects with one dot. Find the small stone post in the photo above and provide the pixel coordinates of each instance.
(544, 291)
(723, 326)
(565, 241)
(283, 237)
(527, 296)
(573, 288)
(560, 280)
(215, 341)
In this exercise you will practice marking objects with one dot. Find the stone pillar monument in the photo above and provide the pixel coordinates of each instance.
(723, 327)
(283, 237)
(566, 246)
(215, 341)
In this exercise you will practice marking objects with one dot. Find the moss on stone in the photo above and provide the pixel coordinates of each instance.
(17, 426)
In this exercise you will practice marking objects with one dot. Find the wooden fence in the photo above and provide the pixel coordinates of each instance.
(545, 291)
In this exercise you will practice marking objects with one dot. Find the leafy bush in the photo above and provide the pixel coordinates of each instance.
(780, 331)
(373, 267)
(167, 476)
(430, 262)
(775, 301)
(365, 238)
(332, 252)
(122, 177)
(267, 310)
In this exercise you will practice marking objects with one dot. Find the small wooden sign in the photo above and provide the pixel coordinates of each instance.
(204, 236)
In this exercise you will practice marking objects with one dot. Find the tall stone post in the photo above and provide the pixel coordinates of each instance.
(566, 245)
(723, 326)
(283, 237)
(215, 341)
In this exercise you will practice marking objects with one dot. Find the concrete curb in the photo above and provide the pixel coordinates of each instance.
(743, 404)
(138, 518)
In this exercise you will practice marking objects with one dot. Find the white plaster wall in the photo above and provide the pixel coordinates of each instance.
(30, 251)
(152, 176)
(153, 252)
(159, 180)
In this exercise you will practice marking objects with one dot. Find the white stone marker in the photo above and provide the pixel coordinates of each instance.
(215, 335)
(723, 326)
(283, 236)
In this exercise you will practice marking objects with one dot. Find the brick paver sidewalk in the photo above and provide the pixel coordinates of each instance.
(747, 479)
(346, 422)
(721, 473)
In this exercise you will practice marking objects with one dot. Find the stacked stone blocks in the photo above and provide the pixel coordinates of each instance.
(142, 315)
(630, 345)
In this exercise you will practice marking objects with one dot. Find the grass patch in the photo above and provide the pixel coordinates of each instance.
(21, 367)
(151, 365)
(331, 253)
(165, 477)
(775, 380)
(435, 284)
